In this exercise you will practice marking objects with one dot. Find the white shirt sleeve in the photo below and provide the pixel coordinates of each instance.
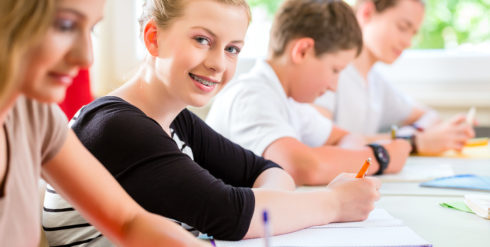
(397, 106)
(251, 116)
(327, 101)
(313, 128)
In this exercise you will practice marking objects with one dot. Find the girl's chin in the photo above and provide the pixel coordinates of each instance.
(199, 102)
(57, 97)
(389, 60)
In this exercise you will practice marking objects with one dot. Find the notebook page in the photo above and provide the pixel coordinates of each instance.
(480, 204)
(377, 218)
(339, 237)
(415, 172)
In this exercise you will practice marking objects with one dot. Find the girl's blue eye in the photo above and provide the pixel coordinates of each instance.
(202, 40)
(65, 25)
(233, 49)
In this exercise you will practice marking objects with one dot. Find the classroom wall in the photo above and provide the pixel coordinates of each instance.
(117, 48)
(448, 81)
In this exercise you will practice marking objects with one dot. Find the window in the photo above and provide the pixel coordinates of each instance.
(447, 24)
(447, 67)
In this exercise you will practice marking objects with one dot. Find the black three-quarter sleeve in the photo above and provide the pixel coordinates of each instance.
(151, 168)
(221, 157)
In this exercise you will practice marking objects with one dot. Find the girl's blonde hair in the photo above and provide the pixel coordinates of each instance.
(22, 24)
(164, 11)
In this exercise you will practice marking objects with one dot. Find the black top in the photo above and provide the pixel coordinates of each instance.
(210, 193)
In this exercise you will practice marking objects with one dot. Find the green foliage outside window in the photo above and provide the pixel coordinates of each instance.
(448, 23)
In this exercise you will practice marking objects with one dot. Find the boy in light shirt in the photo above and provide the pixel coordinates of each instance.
(388, 28)
(267, 110)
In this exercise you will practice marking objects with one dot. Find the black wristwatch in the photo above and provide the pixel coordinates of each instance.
(410, 139)
(413, 144)
(382, 157)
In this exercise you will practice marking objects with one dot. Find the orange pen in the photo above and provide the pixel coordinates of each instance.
(475, 142)
(364, 169)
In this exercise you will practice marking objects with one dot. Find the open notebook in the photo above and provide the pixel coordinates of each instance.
(380, 229)
(480, 204)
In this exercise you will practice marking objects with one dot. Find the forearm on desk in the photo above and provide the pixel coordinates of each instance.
(336, 160)
(291, 211)
(275, 178)
(317, 166)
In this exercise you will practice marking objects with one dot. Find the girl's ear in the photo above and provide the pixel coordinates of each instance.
(150, 37)
(301, 48)
(365, 12)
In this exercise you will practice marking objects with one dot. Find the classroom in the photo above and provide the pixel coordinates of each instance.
(231, 123)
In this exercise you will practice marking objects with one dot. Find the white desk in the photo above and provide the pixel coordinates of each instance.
(419, 207)
(443, 227)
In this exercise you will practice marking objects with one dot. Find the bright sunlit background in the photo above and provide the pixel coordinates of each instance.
(448, 67)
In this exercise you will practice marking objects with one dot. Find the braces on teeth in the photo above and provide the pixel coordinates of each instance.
(204, 82)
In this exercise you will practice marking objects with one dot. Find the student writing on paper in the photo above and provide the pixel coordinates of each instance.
(310, 43)
(43, 44)
(171, 162)
(366, 104)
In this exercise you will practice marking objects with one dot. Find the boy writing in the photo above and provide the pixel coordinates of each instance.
(311, 42)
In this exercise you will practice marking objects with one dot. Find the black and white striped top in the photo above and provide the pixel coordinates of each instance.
(194, 176)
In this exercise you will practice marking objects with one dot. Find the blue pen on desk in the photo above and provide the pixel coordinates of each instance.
(267, 229)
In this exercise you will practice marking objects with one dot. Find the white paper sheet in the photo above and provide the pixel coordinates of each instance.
(380, 229)
(415, 172)
(377, 218)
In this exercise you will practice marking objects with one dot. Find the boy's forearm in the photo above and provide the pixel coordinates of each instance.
(317, 166)
(352, 141)
(335, 160)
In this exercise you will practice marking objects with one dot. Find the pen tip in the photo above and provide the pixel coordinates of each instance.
(369, 160)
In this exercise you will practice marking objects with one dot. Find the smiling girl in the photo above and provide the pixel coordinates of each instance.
(171, 162)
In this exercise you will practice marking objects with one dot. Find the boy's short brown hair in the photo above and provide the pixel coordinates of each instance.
(330, 23)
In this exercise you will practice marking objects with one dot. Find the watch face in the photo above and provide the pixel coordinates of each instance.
(382, 154)
(382, 157)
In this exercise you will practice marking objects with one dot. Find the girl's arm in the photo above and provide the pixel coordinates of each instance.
(275, 178)
(81, 179)
(345, 199)
(229, 161)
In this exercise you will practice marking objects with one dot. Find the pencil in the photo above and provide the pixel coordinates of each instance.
(364, 169)
(267, 230)
(393, 132)
(470, 116)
